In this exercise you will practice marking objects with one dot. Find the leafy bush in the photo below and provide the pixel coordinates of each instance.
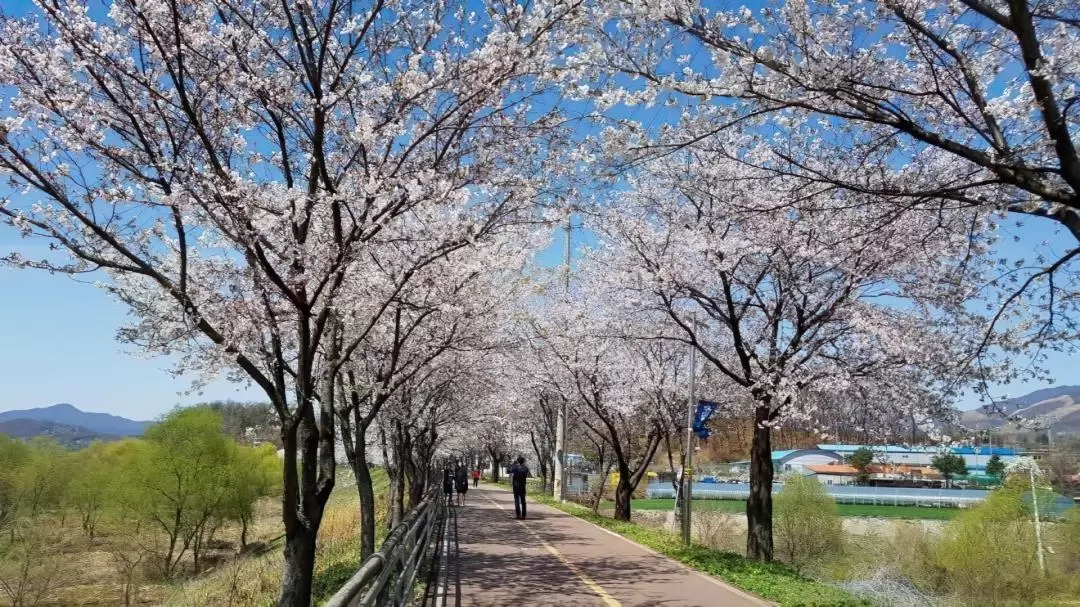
(1069, 541)
(988, 553)
(915, 552)
(806, 522)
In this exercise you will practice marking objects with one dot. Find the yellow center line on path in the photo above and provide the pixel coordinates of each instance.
(588, 581)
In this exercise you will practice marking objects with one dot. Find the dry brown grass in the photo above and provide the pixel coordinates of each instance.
(255, 580)
(93, 572)
(82, 571)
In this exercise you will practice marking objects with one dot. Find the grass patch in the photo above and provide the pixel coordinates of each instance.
(872, 510)
(257, 580)
(338, 549)
(774, 582)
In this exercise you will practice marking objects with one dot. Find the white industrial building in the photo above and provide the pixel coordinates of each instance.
(975, 457)
(900, 461)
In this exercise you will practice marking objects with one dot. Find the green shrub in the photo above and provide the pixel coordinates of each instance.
(806, 523)
(988, 553)
(1068, 541)
(916, 557)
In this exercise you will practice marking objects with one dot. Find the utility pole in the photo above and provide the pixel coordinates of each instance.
(559, 490)
(688, 467)
(1038, 523)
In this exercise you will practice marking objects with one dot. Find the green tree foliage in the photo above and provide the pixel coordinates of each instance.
(183, 477)
(1069, 541)
(93, 481)
(949, 465)
(172, 489)
(33, 482)
(995, 467)
(988, 553)
(13, 454)
(254, 472)
(861, 460)
(41, 482)
(806, 522)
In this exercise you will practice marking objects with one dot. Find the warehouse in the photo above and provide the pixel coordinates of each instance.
(893, 462)
(975, 457)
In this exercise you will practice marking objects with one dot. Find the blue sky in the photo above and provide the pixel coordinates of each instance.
(58, 345)
(57, 335)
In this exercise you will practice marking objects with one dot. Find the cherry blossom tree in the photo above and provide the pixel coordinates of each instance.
(788, 306)
(619, 385)
(451, 306)
(923, 104)
(231, 167)
(542, 429)
(494, 433)
(423, 413)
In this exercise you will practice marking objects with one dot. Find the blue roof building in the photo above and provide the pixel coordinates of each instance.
(975, 457)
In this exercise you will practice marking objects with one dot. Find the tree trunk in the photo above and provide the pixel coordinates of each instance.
(599, 495)
(196, 548)
(397, 499)
(397, 481)
(623, 493)
(299, 568)
(417, 485)
(420, 467)
(367, 500)
(494, 468)
(542, 458)
(759, 536)
(410, 483)
(303, 501)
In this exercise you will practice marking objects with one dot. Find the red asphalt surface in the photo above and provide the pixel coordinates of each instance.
(554, 559)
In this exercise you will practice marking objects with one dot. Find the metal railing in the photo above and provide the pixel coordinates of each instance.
(387, 577)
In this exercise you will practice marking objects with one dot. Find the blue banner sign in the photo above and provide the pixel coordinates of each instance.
(705, 409)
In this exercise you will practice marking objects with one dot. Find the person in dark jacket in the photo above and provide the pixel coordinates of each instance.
(448, 483)
(461, 482)
(518, 472)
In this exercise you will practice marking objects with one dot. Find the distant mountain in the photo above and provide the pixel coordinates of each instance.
(68, 415)
(1059, 405)
(69, 436)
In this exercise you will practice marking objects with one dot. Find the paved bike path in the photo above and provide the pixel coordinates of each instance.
(555, 559)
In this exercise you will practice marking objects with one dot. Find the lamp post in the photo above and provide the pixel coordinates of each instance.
(560, 420)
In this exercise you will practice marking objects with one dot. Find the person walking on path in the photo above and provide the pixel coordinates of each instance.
(476, 478)
(518, 473)
(448, 483)
(461, 482)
